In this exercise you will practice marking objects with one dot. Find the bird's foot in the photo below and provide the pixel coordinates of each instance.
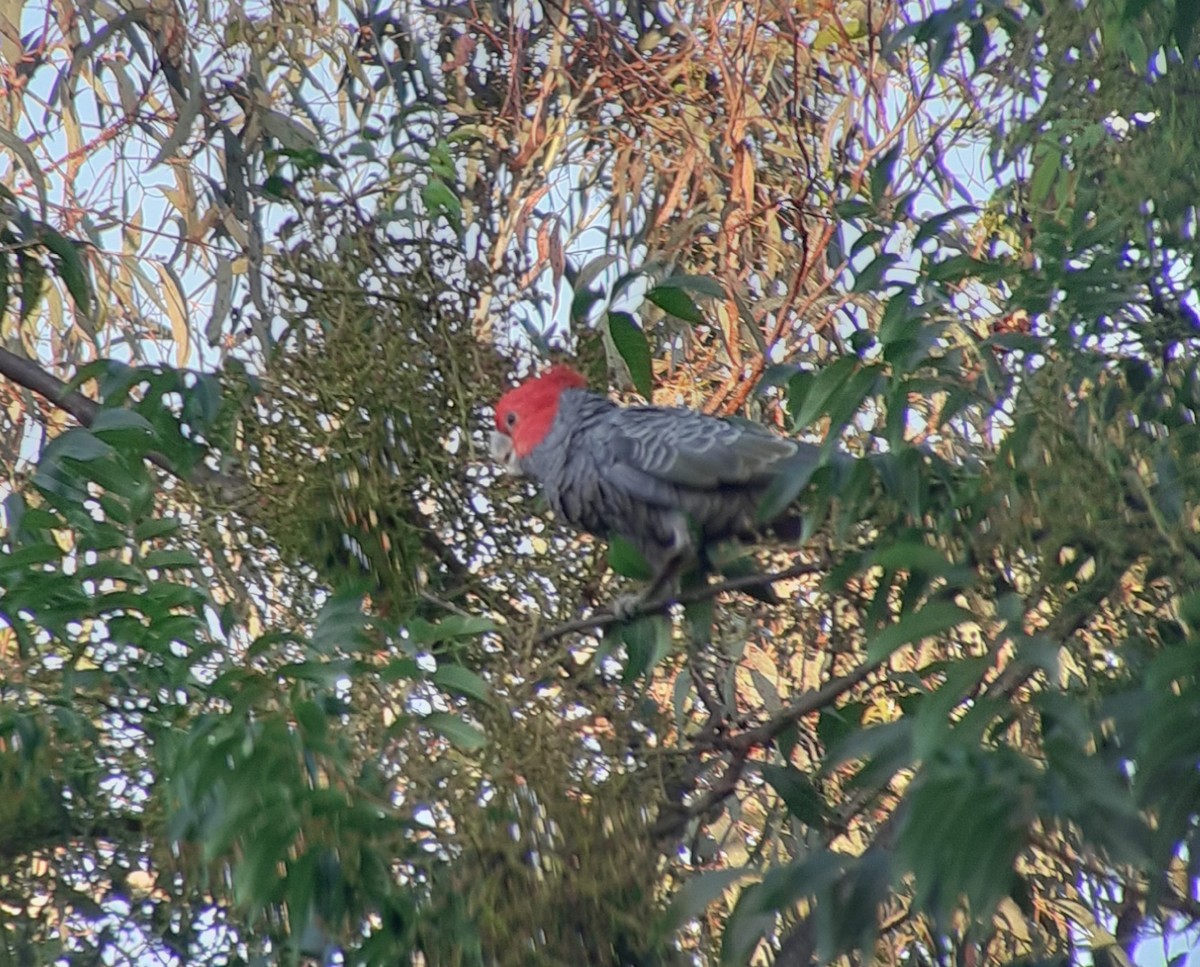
(625, 606)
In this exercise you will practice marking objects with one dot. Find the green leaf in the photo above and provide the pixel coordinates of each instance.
(932, 722)
(746, 566)
(340, 623)
(808, 398)
(401, 668)
(74, 275)
(170, 560)
(458, 679)
(465, 736)
(647, 642)
(1047, 169)
(698, 893)
(158, 527)
(31, 556)
(882, 173)
(700, 616)
(954, 269)
(700, 284)
(789, 483)
(441, 200)
(455, 626)
(932, 225)
(745, 927)
(676, 302)
(4, 282)
(581, 305)
(590, 271)
(635, 351)
(797, 792)
(324, 673)
(912, 556)
(871, 275)
(123, 428)
(852, 208)
(935, 618)
(15, 509)
(77, 444)
(627, 560)
(33, 275)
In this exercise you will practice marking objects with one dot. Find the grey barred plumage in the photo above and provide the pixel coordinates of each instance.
(670, 481)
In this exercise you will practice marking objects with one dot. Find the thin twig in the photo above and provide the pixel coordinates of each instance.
(605, 618)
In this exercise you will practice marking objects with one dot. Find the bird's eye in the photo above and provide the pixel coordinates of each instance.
(510, 418)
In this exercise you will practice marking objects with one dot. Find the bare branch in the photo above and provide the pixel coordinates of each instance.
(605, 618)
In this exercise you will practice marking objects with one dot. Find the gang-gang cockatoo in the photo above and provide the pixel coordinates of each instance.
(672, 482)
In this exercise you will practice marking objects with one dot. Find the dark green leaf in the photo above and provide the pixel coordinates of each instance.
(631, 343)
(852, 209)
(463, 681)
(697, 894)
(934, 224)
(789, 483)
(124, 428)
(797, 791)
(77, 444)
(170, 560)
(746, 566)
(745, 927)
(700, 284)
(647, 642)
(676, 302)
(157, 527)
(912, 556)
(627, 560)
(31, 556)
(935, 618)
(1048, 165)
(460, 733)
(454, 626)
(340, 624)
(870, 277)
(591, 271)
(398, 669)
(74, 275)
(33, 275)
(807, 400)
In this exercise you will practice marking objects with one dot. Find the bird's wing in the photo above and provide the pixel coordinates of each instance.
(652, 450)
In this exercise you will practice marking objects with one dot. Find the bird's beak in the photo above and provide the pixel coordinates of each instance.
(503, 453)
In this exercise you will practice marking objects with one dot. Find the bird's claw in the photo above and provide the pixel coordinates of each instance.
(626, 606)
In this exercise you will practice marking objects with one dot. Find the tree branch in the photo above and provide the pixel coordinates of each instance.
(233, 489)
(672, 820)
(27, 373)
(605, 618)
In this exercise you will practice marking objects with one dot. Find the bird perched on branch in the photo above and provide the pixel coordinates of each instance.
(672, 482)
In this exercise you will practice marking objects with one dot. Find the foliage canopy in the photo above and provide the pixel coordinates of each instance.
(289, 673)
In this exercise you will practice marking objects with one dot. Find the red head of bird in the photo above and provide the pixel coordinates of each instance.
(525, 414)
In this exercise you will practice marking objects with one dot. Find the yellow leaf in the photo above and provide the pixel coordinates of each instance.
(176, 306)
(131, 234)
